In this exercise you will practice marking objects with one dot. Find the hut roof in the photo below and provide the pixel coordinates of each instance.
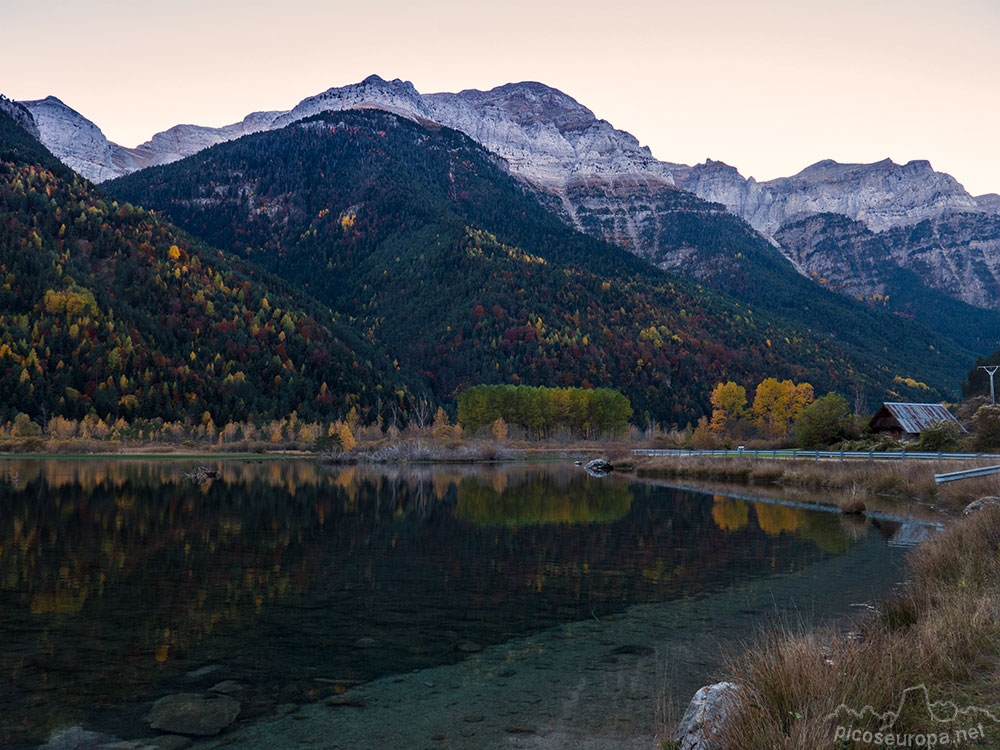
(915, 418)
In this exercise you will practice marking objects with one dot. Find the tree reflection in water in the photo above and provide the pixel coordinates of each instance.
(118, 577)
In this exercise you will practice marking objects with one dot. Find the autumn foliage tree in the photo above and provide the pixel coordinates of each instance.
(729, 405)
(776, 404)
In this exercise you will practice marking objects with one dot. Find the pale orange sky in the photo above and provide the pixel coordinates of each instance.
(768, 86)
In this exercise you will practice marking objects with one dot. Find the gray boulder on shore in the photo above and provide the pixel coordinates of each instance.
(705, 717)
(980, 504)
(193, 714)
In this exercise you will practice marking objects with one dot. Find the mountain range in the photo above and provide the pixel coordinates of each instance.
(818, 276)
(602, 181)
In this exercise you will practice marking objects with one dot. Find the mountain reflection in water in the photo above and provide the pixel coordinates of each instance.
(119, 577)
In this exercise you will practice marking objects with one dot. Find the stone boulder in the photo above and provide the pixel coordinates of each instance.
(599, 467)
(978, 505)
(706, 715)
(76, 738)
(194, 714)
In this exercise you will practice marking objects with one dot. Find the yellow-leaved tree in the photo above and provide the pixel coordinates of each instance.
(347, 441)
(499, 429)
(776, 404)
(442, 425)
(729, 405)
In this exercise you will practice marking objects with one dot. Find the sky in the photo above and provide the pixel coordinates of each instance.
(768, 86)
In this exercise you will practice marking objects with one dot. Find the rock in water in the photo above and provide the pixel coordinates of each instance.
(202, 671)
(978, 505)
(75, 738)
(228, 687)
(705, 717)
(190, 713)
(167, 742)
(599, 467)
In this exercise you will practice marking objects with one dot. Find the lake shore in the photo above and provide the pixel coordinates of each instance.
(903, 482)
(940, 631)
(430, 448)
(939, 638)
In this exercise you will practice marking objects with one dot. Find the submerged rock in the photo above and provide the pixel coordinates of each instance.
(195, 674)
(228, 687)
(635, 649)
(707, 714)
(599, 467)
(76, 738)
(167, 742)
(977, 505)
(346, 700)
(190, 713)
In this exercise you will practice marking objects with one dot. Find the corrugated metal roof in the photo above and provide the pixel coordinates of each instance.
(916, 418)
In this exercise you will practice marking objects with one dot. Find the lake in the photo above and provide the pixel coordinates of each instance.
(522, 605)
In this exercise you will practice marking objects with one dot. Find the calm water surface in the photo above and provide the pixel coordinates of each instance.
(120, 580)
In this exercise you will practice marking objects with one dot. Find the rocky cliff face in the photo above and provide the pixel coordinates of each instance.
(839, 253)
(81, 145)
(881, 195)
(957, 255)
(894, 216)
(548, 137)
(184, 140)
(989, 202)
(73, 139)
(601, 180)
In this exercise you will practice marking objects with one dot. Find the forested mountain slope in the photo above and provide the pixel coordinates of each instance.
(453, 267)
(107, 308)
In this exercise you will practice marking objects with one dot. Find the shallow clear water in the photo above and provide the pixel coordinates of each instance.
(121, 578)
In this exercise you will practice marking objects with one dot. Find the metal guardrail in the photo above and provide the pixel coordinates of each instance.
(981, 471)
(795, 455)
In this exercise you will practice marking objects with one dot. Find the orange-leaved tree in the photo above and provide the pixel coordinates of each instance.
(729, 405)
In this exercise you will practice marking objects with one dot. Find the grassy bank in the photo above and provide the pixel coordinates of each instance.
(426, 451)
(942, 631)
(899, 480)
(414, 445)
